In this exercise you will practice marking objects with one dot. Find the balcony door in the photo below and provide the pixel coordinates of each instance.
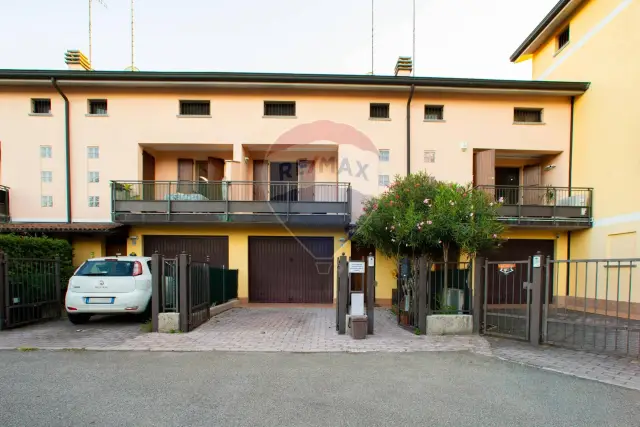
(306, 180)
(148, 175)
(284, 180)
(484, 165)
(185, 176)
(532, 177)
(508, 185)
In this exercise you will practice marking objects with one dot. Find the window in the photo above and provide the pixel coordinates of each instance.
(378, 111)
(434, 112)
(383, 155)
(45, 151)
(527, 115)
(429, 156)
(94, 176)
(107, 267)
(563, 38)
(383, 180)
(279, 109)
(46, 176)
(93, 152)
(46, 201)
(94, 201)
(98, 107)
(195, 108)
(40, 106)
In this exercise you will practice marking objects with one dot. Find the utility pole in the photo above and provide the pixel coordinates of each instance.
(90, 38)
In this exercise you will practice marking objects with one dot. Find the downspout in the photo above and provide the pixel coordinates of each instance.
(67, 145)
(573, 98)
(413, 87)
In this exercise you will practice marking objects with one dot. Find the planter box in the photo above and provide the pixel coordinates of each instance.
(449, 324)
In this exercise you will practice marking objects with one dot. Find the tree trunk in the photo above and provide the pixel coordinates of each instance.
(445, 257)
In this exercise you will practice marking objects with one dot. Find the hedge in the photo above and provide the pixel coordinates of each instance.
(40, 248)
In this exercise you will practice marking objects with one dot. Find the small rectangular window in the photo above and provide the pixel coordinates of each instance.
(429, 156)
(527, 115)
(563, 38)
(94, 177)
(98, 107)
(383, 180)
(46, 201)
(383, 155)
(378, 111)
(40, 106)
(94, 201)
(93, 152)
(46, 176)
(434, 112)
(45, 151)
(280, 108)
(195, 108)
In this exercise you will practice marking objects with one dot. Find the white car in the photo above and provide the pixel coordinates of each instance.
(109, 285)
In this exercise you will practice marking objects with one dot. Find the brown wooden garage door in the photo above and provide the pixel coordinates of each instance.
(216, 247)
(291, 270)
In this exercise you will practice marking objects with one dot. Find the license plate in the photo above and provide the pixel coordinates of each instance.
(99, 300)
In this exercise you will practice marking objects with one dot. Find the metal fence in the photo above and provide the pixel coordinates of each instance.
(170, 290)
(30, 290)
(449, 290)
(507, 298)
(196, 296)
(223, 285)
(593, 304)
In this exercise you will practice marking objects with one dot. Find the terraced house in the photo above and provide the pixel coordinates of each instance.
(265, 173)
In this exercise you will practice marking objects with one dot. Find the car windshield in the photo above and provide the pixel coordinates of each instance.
(106, 268)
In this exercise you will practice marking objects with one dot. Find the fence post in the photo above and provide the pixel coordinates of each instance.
(370, 292)
(3, 286)
(343, 293)
(58, 280)
(207, 289)
(423, 274)
(537, 292)
(157, 275)
(183, 283)
(478, 294)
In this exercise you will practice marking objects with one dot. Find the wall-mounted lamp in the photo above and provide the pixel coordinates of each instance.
(464, 145)
(246, 160)
(133, 239)
(549, 167)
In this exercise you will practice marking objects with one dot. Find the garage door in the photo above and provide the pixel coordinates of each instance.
(216, 247)
(291, 270)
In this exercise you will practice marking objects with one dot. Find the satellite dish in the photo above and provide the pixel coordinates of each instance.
(130, 68)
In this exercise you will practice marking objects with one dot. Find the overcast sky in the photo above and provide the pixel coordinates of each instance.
(454, 38)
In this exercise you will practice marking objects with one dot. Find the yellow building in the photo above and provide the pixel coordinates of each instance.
(265, 173)
(597, 41)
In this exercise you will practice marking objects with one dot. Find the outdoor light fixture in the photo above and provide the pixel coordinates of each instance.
(133, 239)
(549, 167)
(464, 145)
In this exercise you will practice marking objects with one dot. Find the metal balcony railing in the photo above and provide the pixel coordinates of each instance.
(543, 204)
(230, 201)
(4, 204)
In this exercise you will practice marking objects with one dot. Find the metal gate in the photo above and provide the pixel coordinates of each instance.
(507, 299)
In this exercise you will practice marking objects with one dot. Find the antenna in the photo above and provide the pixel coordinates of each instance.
(372, 22)
(90, 42)
(132, 34)
(413, 59)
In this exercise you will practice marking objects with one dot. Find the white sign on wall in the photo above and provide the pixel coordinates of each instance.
(371, 262)
(356, 267)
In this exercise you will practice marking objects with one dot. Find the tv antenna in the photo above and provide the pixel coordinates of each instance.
(102, 2)
(133, 68)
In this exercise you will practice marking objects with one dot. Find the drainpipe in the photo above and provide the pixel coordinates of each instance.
(573, 99)
(409, 129)
(67, 145)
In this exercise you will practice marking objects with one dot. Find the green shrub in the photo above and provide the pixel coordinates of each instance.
(37, 248)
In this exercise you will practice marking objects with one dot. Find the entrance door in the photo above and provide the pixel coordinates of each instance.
(485, 170)
(291, 270)
(284, 180)
(508, 183)
(148, 176)
(533, 195)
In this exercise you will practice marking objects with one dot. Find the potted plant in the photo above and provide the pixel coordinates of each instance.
(549, 195)
(123, 191)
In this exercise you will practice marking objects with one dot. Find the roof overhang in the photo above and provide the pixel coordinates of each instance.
(551, 23)
(324, 82)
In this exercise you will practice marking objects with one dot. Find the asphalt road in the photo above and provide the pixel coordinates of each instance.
(276, 389)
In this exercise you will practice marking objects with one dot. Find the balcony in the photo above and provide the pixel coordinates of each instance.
(239, 202)
(4, 204)
(566, 208)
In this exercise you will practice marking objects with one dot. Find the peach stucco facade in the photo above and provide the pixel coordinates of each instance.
(237, 132)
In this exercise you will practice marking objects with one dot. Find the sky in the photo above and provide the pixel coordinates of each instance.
(454, 38)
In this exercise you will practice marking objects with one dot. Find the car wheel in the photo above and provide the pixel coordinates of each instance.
(78, 319)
